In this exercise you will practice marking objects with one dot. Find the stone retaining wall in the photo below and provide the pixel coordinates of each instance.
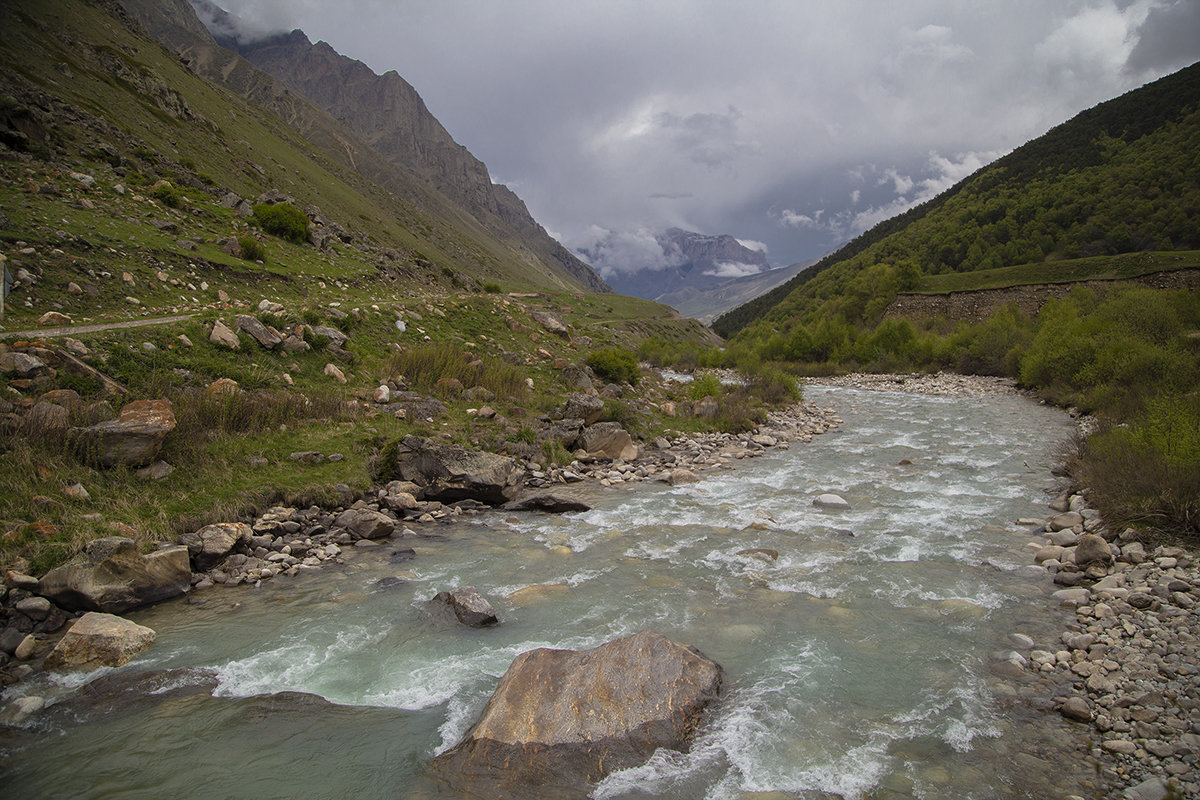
(977, 305)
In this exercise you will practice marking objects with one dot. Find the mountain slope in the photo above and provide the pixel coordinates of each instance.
(1116, 178)
(508, 233)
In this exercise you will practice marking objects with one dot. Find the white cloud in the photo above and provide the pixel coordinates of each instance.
(750, 244)
(733, 269)
(613, 252)
(794, 219)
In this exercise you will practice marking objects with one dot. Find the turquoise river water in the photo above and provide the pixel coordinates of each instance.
(856, 663)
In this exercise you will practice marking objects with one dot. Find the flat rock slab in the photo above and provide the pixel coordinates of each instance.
(561, 720)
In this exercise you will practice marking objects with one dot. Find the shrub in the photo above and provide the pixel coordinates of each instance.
(1147, 474)
(491, 288)
(425, 365)
(705, 385)
(615, 365)
(283, 220)
(167, 194)
(252, 249)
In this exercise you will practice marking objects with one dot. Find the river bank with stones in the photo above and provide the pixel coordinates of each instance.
(286, 541)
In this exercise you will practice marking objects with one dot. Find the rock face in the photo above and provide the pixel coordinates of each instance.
(449, 473)
(99, 640)
(133, 439)
(561, 720)
(117, 578)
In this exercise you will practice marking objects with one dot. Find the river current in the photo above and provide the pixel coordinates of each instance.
(857, 661)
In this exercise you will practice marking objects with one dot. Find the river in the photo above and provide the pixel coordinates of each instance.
(857, 661)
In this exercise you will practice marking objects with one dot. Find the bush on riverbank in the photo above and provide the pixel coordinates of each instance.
(1147, 474)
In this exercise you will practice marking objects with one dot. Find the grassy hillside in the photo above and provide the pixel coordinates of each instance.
(1118, 178)
(133, 105)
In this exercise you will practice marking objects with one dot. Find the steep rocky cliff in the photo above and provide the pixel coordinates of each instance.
(390, 116)
(396, 143)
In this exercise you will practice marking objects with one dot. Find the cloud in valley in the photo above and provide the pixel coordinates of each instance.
(794, 124)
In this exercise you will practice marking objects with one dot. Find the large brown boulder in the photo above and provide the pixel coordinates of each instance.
(99, 640)
(133, 439)
(561, 720)
(363, 523)
(116, 577)
(449, 473)
(609, 439)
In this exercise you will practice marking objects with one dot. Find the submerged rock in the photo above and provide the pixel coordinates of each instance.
(831, 501)
(551, 503)
(561, 720)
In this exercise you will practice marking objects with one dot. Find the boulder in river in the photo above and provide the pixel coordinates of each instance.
(116, 577)
(469, 606)
(831, 501)
(561, 720)
(448, 473)
(552, 503)
(99, 640)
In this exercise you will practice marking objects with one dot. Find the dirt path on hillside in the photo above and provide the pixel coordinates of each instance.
(71, 330)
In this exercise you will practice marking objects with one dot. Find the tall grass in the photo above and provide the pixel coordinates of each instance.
(423, 366)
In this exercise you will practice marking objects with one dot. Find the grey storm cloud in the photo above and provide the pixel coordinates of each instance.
(795, 123)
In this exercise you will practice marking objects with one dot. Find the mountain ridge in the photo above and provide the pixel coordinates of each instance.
(175, 24)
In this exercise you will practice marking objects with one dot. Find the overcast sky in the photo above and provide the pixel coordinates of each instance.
(793, 124)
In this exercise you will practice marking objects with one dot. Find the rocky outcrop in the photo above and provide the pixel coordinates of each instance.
(210, 545)
(448, 473)
(99, 640)
(133, 439)
(561, 720)
(116, 577)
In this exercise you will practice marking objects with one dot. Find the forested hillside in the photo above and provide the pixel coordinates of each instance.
(1120, 177)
